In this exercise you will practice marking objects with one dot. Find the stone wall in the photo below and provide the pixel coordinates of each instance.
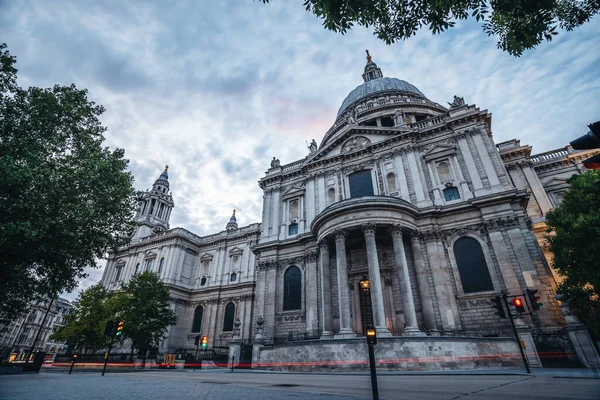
(392, 354)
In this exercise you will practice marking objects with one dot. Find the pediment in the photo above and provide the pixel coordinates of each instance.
(206, 257)
(555, 181)
(351, 141)
(236, 251)
(294, 191)
(438, 151)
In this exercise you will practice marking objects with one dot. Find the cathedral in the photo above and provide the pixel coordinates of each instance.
(407, 216)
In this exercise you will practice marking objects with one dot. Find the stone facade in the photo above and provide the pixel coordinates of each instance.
(403, 196)
(17, 337)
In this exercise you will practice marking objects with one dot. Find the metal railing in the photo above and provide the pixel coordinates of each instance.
(293, 337)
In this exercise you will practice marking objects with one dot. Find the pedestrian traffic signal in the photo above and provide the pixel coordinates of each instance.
(204, 341)
(518, 303)
(120, 325)
(589, 141)
(497, 304)
(533, 299)
(196, 340)
(108, 329)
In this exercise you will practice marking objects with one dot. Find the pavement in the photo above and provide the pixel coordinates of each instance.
(251, 385)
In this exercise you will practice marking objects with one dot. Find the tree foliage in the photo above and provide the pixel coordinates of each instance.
(84, 326)
(65, 198)
(518, 24)
(145, 305)
(575, 243)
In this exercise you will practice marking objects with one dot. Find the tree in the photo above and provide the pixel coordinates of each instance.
(145, 305)
(65, 199)
(519, 24)
(574, 239)
(84, 326)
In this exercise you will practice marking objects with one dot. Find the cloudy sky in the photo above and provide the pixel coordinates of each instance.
(215, 89)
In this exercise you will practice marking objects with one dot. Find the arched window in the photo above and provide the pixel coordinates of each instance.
(451, 193)
(149, 265)
(391, 181)
(160, 265)
(197, 324)
(444, 171)
(228, 319)
(331, 195)
(294, 209)
(472, 267)
(233, 277)
(361, 184)
(292, 289)
(203, 281)
(119, 270)
(137, 269)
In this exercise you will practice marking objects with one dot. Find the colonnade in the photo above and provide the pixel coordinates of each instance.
(408, 305)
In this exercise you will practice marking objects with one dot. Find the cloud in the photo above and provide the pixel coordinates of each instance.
(216, 89)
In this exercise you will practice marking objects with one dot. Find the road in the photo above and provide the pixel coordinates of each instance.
(223, 385)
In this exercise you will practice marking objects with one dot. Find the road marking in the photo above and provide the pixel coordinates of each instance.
(492, 387)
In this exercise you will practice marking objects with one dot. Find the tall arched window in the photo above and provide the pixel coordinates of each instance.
(229, 316)
(391, 181)
(160, 265)
(119, 270)
(292, 289)
(197, 324)
(472, 267)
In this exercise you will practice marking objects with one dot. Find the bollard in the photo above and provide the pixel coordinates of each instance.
(232, 362)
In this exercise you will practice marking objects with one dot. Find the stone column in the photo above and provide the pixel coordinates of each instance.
(325, 289)
(422, 281)
(343, 291)
(375, 280)
(411, 327)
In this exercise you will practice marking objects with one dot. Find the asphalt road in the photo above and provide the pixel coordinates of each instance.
(223, 385)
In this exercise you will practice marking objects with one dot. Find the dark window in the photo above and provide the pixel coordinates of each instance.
(361, 183)
(420, 117)
(472, 267)
(197, 324)
(202, 281)
(160, 265)
(387, 121)
(228, 319)
(292, 229)
(149, 265)
(233, 277)
(292, 289)
(137, 269)
(372, 122)
(451, 194)
(119, 270)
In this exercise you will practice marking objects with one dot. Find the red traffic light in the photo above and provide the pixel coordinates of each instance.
(120, 325)
(518, 303)
(204, 341)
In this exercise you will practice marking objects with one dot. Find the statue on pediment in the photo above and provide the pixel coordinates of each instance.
(458, 101)
(399, 119)
(275, 163)
(351, 118)
(312, 147)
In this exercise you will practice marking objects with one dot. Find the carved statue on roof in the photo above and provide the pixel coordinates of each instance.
(399, 118)
(351, 118)
(458, 101)
(275, 163)
(312, 146)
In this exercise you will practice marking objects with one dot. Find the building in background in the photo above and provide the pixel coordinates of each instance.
(404, 195)
(17, 337)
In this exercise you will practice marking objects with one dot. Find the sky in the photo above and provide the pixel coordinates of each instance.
(216, 89)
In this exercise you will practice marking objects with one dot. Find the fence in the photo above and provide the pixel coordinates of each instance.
(293, 337)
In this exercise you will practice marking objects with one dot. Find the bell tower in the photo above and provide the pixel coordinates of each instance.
(154, 208)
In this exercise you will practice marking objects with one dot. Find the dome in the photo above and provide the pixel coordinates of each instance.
(377, 85)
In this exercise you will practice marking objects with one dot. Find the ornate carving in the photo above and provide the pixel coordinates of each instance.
(323, 242)
(457, 102)
(355, 143)
(275, 163)
(369, 229)
(479, 303)
(339, 234)
(395, 230)
(310, 255)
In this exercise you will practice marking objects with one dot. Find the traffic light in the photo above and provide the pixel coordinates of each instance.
(204, 342)
(589, 141)
(371, 336)
(108, 329)
(196, 340)
(518, 303)
(497, 304)
(120, 325)
(533, 299)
